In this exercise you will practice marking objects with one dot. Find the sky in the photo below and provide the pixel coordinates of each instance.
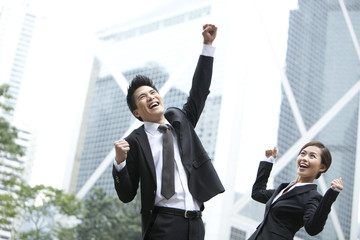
(58, 72)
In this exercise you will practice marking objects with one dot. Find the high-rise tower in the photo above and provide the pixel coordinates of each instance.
(320, 101)
(165, 49)
(236, 119)
(17, 24)
(323, 59)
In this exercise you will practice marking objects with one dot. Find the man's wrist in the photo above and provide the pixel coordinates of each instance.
(119, 166)
(208, 50)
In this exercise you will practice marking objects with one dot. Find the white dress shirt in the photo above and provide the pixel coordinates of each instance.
(182, 199)
(291, 188)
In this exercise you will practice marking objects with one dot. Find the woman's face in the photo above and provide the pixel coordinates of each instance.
(309, 164)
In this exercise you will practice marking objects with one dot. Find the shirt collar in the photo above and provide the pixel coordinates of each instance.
(152, 128)
(302, 184)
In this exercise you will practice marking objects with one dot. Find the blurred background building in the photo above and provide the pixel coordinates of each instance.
(285, 73)
(164, 46)
(323, 70)
(320, 101)
(17, 25)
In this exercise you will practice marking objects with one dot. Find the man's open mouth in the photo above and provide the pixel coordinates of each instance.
(155, 104)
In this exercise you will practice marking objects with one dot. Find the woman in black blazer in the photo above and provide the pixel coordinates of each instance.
(296, 204)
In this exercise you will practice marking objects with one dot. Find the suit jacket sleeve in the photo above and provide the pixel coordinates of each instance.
(127, 180)
(259, 191)
(199, 89)
(317, 212)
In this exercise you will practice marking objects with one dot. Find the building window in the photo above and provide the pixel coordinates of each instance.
(237, 234)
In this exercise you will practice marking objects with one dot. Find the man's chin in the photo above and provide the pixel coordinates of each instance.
(157, 112)
(155, 117)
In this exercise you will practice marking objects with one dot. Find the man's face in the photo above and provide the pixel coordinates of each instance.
(150, 106)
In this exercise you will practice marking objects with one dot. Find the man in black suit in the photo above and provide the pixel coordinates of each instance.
(139, 156)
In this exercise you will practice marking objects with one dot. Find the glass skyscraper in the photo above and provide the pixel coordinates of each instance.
(320, 101)
(322, 66)
(153, 49)
(17, 24)
(164, 47)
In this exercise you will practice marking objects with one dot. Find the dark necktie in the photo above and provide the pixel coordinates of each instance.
(167, 181)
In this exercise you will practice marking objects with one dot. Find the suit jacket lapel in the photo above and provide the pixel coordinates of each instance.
(176, 126)
(270, 201)
(180, 139)
(298, 190)
(293, 192)
(145, 146)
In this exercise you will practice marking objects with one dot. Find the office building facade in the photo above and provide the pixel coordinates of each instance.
(322, 69)
(320, 101)
(17, 24)
(166, 47)
(152, 49)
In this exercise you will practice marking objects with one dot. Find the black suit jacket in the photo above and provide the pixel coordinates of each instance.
(203, 180)
(302, 206)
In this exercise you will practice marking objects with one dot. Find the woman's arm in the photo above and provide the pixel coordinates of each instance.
(317, 212)
(259, 191)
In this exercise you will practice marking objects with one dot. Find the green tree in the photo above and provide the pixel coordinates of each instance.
(8, 134)
(47, 210)
(10, 170)
(106, 218)
(39, 204)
